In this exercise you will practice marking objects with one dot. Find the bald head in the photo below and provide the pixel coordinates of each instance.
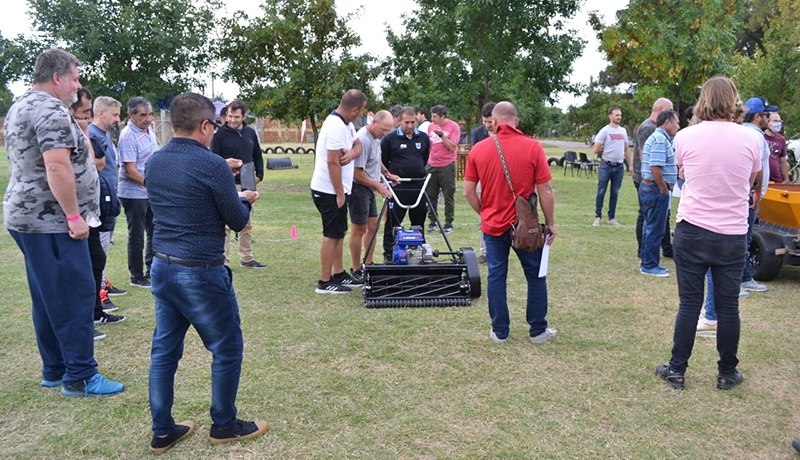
(382, 123)
(661, 105)
(504, 113)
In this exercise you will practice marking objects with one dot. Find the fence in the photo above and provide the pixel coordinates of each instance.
(267, 130)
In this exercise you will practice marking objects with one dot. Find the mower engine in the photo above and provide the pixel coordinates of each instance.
(410, 247)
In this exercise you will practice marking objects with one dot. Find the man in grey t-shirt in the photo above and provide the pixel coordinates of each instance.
(366, 181)
(51, 201)
(647, 128)
(611, 143)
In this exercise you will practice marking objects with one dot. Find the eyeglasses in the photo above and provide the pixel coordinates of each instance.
(213, 123)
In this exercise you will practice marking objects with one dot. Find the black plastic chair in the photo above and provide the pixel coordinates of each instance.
(571, 161)
(586, 164)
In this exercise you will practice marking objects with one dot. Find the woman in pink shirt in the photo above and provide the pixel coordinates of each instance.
(719, 160)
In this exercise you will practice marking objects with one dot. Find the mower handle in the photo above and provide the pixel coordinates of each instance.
(388, 184)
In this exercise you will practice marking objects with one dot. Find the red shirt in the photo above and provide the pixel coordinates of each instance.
(526, 164)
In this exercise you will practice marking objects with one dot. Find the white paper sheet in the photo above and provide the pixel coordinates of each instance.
(545, 259)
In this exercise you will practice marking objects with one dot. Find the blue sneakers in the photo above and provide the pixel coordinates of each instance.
(50, 383)
(95, 386)
(656, 271)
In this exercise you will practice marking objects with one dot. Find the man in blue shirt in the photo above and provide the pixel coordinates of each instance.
(193, 197)
(106, 115)
(659, 174)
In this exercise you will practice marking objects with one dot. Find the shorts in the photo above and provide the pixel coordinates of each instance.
(334, 219)
(362, 204)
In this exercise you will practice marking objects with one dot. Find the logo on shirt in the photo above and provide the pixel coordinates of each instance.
(402, 146)
(419, 145)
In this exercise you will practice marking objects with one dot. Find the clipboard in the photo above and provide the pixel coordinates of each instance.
(247, 176)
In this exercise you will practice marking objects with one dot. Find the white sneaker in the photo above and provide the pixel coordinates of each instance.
(743, 293)
(496, 339)
(614, 223)
(706, 328)
(752, 285)
(596, 222)
(547, 335)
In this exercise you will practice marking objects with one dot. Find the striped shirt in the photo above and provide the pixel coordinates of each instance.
(658, 151)
(135, 146)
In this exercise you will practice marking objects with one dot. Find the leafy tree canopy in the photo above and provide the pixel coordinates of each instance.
(464, 53)
(774, 73)
(668, 48)
(296, 61)
(127, 48)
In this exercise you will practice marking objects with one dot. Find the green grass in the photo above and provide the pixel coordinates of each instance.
(336, 380)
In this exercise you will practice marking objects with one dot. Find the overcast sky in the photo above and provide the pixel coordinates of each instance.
(370, 24)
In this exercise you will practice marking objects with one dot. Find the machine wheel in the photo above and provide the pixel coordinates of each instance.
(469, 259)
(764, 264)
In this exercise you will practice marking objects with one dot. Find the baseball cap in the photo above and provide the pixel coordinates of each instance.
(758, 105)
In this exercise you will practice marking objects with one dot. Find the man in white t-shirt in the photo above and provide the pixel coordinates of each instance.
(423, 116)
(611, 143)
(331, 183)
(366, 181)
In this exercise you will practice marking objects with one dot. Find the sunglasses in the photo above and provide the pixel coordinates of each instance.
(213, 123)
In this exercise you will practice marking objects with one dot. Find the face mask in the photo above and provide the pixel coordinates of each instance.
(776, 127)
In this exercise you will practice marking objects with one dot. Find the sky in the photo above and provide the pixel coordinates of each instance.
(370, 23)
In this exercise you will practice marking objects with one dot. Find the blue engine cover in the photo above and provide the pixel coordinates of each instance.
(405, 239)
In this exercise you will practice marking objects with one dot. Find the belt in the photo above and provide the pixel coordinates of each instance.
(652, 182)
(611, 164)
(187, 263)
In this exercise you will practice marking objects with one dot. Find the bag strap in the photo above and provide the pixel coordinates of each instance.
(505, 166)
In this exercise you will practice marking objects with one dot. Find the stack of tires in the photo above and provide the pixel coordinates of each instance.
(280, 150)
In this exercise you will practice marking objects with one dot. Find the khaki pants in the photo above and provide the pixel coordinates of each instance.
(245, 239)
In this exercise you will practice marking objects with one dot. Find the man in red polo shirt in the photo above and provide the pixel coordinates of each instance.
(530, 173)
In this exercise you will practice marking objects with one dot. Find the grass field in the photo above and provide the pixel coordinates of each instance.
(336, 380)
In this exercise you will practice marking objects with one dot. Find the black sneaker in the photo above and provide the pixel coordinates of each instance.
(252, 264)
(675, 379)
(113, 290)
(160, 445)
(241, 430)
(448, 228)
(331, 287)
(358, 275)
(109, 319)
(142, 282)
(796, 445)
(728, 381)
(431, 228)
(108, 306)
(99, 335)
(345, 279)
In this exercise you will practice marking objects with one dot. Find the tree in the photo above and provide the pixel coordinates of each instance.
(128, 47)
(587, 120)
(464, 53)
(296, 61)
(774, 72)
(668, 48)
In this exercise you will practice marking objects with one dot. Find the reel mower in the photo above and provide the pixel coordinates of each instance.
(417, 275)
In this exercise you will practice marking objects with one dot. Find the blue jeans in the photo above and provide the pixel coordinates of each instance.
(696, 251)
(711, 311)
(202, 297)
(654, 208)
(606, 173)
(497, 251)
(751, 219)
(62, 296)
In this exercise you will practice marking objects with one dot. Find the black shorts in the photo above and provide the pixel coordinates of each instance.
(334, 219)
(362, 204)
